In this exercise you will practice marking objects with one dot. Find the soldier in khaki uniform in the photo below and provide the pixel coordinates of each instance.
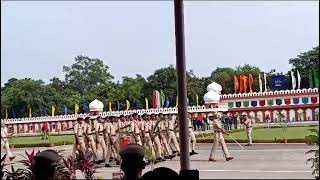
(146, 128)
(156, 140)
(78, 132)
(100, 137)
(248, 123)
(113, 144)
(192, 137)
(218, 138)
(5, 141)
(135, 130)
(90, 143)
(172, 139)
(163, 138)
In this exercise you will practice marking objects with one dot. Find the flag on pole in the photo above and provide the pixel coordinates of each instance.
(241, 84)
(167, 102)
(110, 108)
(53, 109)
(197, 100)
(13, 114)
(66, 109)
(310, 79)
(265, 81)
(177, 102)
(76, 108)
(86, 108)
(6, 113)
(128, 105)
(158, 99)
(30, 113)
(162, 99)
(154, 99)
(236, 84)
(293, 80)
(250, 83)
(137, 104)
(118, 106)
(187, 101)
(299, 78)
(260, 83)
(245, 83)
(43, 111)
(147, 103)
(316, 78)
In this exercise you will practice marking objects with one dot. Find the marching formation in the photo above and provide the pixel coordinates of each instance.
(157, 133)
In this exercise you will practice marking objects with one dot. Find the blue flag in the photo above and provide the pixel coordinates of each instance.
(66, 109)
(137, 104)
(13, 114)
(43, 111)
(167, 102)
(118, 106)
(85, 107)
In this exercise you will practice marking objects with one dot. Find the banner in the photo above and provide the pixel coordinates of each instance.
(250, 83)
(53, 109)
(76, 109)
(30, 113)
(110, 107)
(245, 83)
(118, 106)
(265, 81)
(197, 100)
(293, 81)
(13, 114)
(236, 84)
(299, 78)
(147, 103)
(66, 109)
(177, 102)
(137, 104)
(6, 113)
(260, 83)
(167, 102)
(162, 99)
(128, 105)
(241, 84)
(279, 82)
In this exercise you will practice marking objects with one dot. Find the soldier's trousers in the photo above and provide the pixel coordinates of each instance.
(249, 132)
(79, 145)
(158, 147)
(101, 141)
(90, 143)
(218, 139)
(113, 144)
(148, 144)
(193, 140)
(173, 139)
(138, 140)
(165, 144)
(5, 143)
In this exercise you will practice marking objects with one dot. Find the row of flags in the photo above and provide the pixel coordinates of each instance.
(159, 100)
(241, 85)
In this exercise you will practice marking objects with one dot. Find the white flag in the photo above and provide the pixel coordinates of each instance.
(299, 78)
(293, 80)
(260, 83)
(265, 82)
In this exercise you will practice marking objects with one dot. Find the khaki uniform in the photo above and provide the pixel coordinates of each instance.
(218, 139)
(146, 127)
(163, 132)
(136, 132)
(4, 141)
(172, 139)
(100, 139)
(157, 142)
(192, 136)
(248, 124)
(78, 131)
(89, 138)
(113, 145)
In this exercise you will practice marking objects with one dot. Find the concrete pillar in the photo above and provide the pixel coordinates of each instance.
(304, 115)
(15, 129)
(36, 127)
(59, 129)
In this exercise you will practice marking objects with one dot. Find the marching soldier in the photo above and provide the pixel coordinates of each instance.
(135, 131)
(218, 138)
(113, 144)
(192, 137)
(78, 132)
(145, 130)
(248, 124)
(100, 137)
(88, 134)
(156, 140)
(163, 138)
(172, 139)
(5, 142)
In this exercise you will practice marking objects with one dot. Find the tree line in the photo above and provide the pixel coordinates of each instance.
(89, 78)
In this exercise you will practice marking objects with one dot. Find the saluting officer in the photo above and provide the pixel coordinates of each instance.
(218, 138)
(88, 134)
(100, 137)
(78, 132)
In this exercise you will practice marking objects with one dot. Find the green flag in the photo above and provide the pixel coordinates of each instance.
(162, 98)
(310, 79)
(316, 78)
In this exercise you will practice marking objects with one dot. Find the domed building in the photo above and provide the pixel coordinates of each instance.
(212, 97)
(96, 107)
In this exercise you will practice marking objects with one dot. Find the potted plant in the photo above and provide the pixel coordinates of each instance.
(313, 140)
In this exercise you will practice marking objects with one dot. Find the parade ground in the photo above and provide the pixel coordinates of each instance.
(261, 161)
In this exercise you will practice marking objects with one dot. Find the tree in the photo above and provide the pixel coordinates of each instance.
(305, 62)
(87, 74)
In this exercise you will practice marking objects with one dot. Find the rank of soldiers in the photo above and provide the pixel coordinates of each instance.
(157, 133)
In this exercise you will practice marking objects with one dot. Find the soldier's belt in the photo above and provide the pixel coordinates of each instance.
(217, 131)
(171, 130)
(100, 134)
(190, 127)
(79, 136)
(248, 126)
(113, 135)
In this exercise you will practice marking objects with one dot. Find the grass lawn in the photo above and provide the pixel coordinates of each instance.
(258, 135)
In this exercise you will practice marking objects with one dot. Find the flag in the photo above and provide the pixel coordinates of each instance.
(13, 114)
(197, 100)
(147, 104)
(85, 107)
(177, 102)
(154, 99)
(316, 78)
(43, 111)
(118, 106)
(241, 84)
(53, 109)
(110, 108)
(76, 109)
(260, 83)
(299, 78)
(137, 104)
(245, 83)
(265, 81)
(128, 105)
(6, 113)
(162, 98)
(250, 82)
(187, 101)
(236, 84)
(30, 113)
(293, 80)
(167, 102)
(66, 109)
(158, 99)
(310, 79)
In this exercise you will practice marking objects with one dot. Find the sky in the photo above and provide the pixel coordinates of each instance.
(131, 37)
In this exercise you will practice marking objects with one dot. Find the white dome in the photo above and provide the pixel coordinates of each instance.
(214, 87)
(211, 97)
(96, 105)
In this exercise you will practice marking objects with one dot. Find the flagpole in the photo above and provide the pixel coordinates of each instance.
(182, 89)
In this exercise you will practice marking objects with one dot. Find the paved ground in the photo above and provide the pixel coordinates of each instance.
(261, 161)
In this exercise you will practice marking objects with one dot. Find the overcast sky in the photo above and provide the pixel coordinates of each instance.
(38, 38)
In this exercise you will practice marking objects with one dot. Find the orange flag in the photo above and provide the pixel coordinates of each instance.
(236, 84)
(250, 82)
(241, 84)
(245, 83)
